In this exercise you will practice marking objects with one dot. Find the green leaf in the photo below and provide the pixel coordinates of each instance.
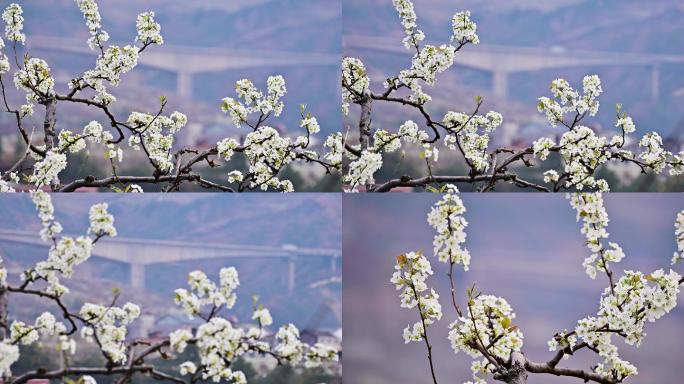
(432, 189)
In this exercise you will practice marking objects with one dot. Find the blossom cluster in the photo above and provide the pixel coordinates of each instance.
(266, 150)
(679, 236)
(334, 146)
(408, 20)
(464, 29)
(251, 99)
(355, 81)
(590, 209)
(362, 169)
(429, 60)
(91, 14)
(203, 291)
(46, 170)
(446, 217)
(625, 309)
(14, 23)
(583, 150)
(626, 305)
(107, 326)
(110, 65)
(21, 333)
(472, 133)
(411, 272)
(219, 342)
(6, 182)
(149, 31)
(113, 61)
(487, 326)
(35, 79)
(101, 221)
(65, 252)
(156, 135)
(9, 354)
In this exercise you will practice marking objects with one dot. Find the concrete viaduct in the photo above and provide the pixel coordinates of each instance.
(140, 253)
(185, 62)
(502, 61)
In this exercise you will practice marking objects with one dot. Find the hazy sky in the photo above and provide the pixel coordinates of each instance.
(558, 28)
(528, 250)
(305, 220)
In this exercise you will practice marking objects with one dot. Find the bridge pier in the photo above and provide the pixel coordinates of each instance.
(184, 84)
(138, 275)
(500, 84)
(655, 82)
(291, 273)
(333, 265)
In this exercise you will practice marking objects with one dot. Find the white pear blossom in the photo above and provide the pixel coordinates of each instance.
(488, 324)
(35, 79)
(334, 146)
(149, 31)
(355, 81)
(101, 221)
(14, 23)
(288, 345)
(362, 169)
(226, 148)
(114, 62)
(109, 326)
(179, 339)
(310, 124)
(541, 147)
(626, 124)
(408, 21)
(590, 209)
(679, 236)
(653, 153)
(188, 368)
(411, 272)
(473, 134)
(551, 176)
(319, 354)
(6, 185)
(464, 30)
(263, 316)
(446, 217)
(91, 14)
(157, 136)
(235, 177)
(9, 354)
(46, 171)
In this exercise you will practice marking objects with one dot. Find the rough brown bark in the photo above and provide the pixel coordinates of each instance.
(516, 374)
(4, 296)
(365, 122)
(49, 123)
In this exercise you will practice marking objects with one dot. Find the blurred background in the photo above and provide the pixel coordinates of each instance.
(208, 46)
(528, 251)
(636, 48)
(286, 250)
